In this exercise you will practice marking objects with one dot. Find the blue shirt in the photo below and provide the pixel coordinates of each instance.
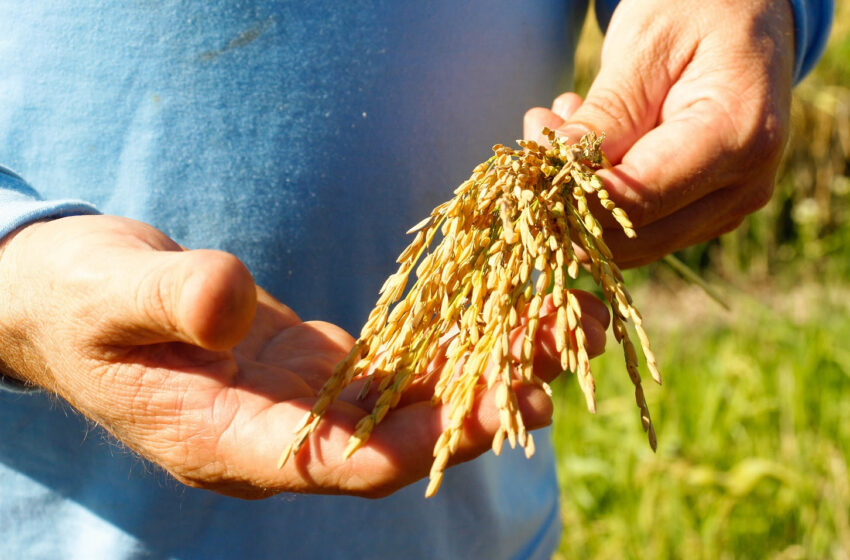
(304, 138)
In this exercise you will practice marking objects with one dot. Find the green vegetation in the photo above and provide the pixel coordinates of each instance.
(753, 420)
(753, 423)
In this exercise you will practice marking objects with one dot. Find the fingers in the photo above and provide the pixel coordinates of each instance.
(687, 157)
(566, 104)
(666, 169)
(691, 178)
(400, 449)
(547, 361)
(205, 298)
(535, 120)
(539, 117)
(692, 103)
(594, 322)
(412, 434)
(705, 219)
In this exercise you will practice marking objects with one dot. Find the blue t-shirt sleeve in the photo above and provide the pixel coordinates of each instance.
(812, 22)
(20, 204)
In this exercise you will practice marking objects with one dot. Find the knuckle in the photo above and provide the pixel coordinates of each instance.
(648, 209)
(609, 106)
(763, 132)
(727, 227)
(764, 144)
(533, 120)
(154, 297)
(642, 204)
(756, 197)
(721, 229)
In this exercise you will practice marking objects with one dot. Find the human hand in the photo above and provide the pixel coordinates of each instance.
(185, 360)
(693, 97)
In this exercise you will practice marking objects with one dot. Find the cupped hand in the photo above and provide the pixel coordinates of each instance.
(184, 359)
(693, 98)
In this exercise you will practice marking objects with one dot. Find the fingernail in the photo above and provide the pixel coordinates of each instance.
(563, 108)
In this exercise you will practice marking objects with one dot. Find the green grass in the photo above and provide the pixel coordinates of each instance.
(753, 424)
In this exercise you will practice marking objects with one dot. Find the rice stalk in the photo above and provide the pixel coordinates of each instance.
(508, 239)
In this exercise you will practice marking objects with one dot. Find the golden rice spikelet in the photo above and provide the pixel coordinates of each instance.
(507, 240)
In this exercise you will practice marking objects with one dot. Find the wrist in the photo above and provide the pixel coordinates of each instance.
(7, 240)
(17, 370)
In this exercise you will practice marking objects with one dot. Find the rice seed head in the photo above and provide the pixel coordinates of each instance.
(522, 210)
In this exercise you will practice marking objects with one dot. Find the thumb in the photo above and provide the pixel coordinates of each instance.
(625, 100)
(202, 297)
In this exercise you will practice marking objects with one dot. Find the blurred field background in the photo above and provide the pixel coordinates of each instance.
(753, 420)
